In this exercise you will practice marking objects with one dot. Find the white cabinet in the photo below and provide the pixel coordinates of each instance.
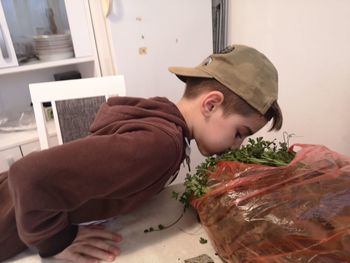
(8, 157)
(30, 31)
(7, 52)
(80, 27)
(21, 21)
(27, 148)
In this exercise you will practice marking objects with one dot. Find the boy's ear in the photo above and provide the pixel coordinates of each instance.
(211, 102)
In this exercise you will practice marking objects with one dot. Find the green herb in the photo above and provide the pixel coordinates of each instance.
(175, 195)
(203, 240)
(161, 227)
(258, 151)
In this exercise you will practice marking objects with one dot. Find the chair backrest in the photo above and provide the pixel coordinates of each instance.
(74, 104)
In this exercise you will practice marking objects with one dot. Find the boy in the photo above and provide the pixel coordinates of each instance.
(135, 147)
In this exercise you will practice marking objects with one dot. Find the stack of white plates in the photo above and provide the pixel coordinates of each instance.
(53, 47)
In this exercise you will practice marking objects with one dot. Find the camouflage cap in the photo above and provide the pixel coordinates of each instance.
(242, 69)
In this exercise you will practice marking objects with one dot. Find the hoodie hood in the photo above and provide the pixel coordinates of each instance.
(119, 110)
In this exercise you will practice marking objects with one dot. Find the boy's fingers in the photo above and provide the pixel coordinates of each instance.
(89, 252)
(102, 245)
(76, 257)
(91, 245)
(80, 258)
(92, 252)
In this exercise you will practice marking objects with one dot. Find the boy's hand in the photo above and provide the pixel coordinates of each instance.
(92, 244)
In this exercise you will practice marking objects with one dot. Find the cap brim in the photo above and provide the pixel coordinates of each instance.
(183, 73)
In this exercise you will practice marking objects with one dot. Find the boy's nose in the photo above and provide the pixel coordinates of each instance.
(236, 145)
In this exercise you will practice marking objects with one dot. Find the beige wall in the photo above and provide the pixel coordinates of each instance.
(309, 43)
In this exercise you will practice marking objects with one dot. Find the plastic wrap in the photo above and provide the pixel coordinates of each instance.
(295, 213)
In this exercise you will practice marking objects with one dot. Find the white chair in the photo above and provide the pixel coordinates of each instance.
(82, 91)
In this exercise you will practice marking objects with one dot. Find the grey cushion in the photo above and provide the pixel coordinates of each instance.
(75, 116)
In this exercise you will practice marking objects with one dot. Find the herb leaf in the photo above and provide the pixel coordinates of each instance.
(203, 240)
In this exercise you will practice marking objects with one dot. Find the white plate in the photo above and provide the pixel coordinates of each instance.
(55, 37)
(53, 46)
(53, 43)
(56, 56)
(53, 51)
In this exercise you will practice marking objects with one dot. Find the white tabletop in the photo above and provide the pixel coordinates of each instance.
(172, 245)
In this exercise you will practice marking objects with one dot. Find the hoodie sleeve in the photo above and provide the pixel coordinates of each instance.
(47, 185)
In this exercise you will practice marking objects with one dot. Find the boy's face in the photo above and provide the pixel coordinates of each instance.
(221, 132)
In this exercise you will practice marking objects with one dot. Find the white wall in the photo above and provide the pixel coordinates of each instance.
(309, 43)
(179, 35)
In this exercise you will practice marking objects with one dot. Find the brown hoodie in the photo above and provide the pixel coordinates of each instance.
(135, 147)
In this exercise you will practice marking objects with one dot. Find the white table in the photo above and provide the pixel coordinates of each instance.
(172, 245)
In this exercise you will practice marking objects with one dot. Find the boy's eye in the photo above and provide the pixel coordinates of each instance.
(238, 135)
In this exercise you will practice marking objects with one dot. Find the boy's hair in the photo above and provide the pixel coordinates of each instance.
(232, 102)
(246, 77)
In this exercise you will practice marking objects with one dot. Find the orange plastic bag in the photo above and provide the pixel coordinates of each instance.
(295, 213)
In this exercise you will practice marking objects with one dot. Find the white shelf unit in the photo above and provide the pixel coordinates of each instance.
(15, 78)
(15, 145)
(37, 65)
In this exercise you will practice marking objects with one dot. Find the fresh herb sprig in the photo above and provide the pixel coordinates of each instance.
(161, 226)
(258, 151)
(203, 240)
